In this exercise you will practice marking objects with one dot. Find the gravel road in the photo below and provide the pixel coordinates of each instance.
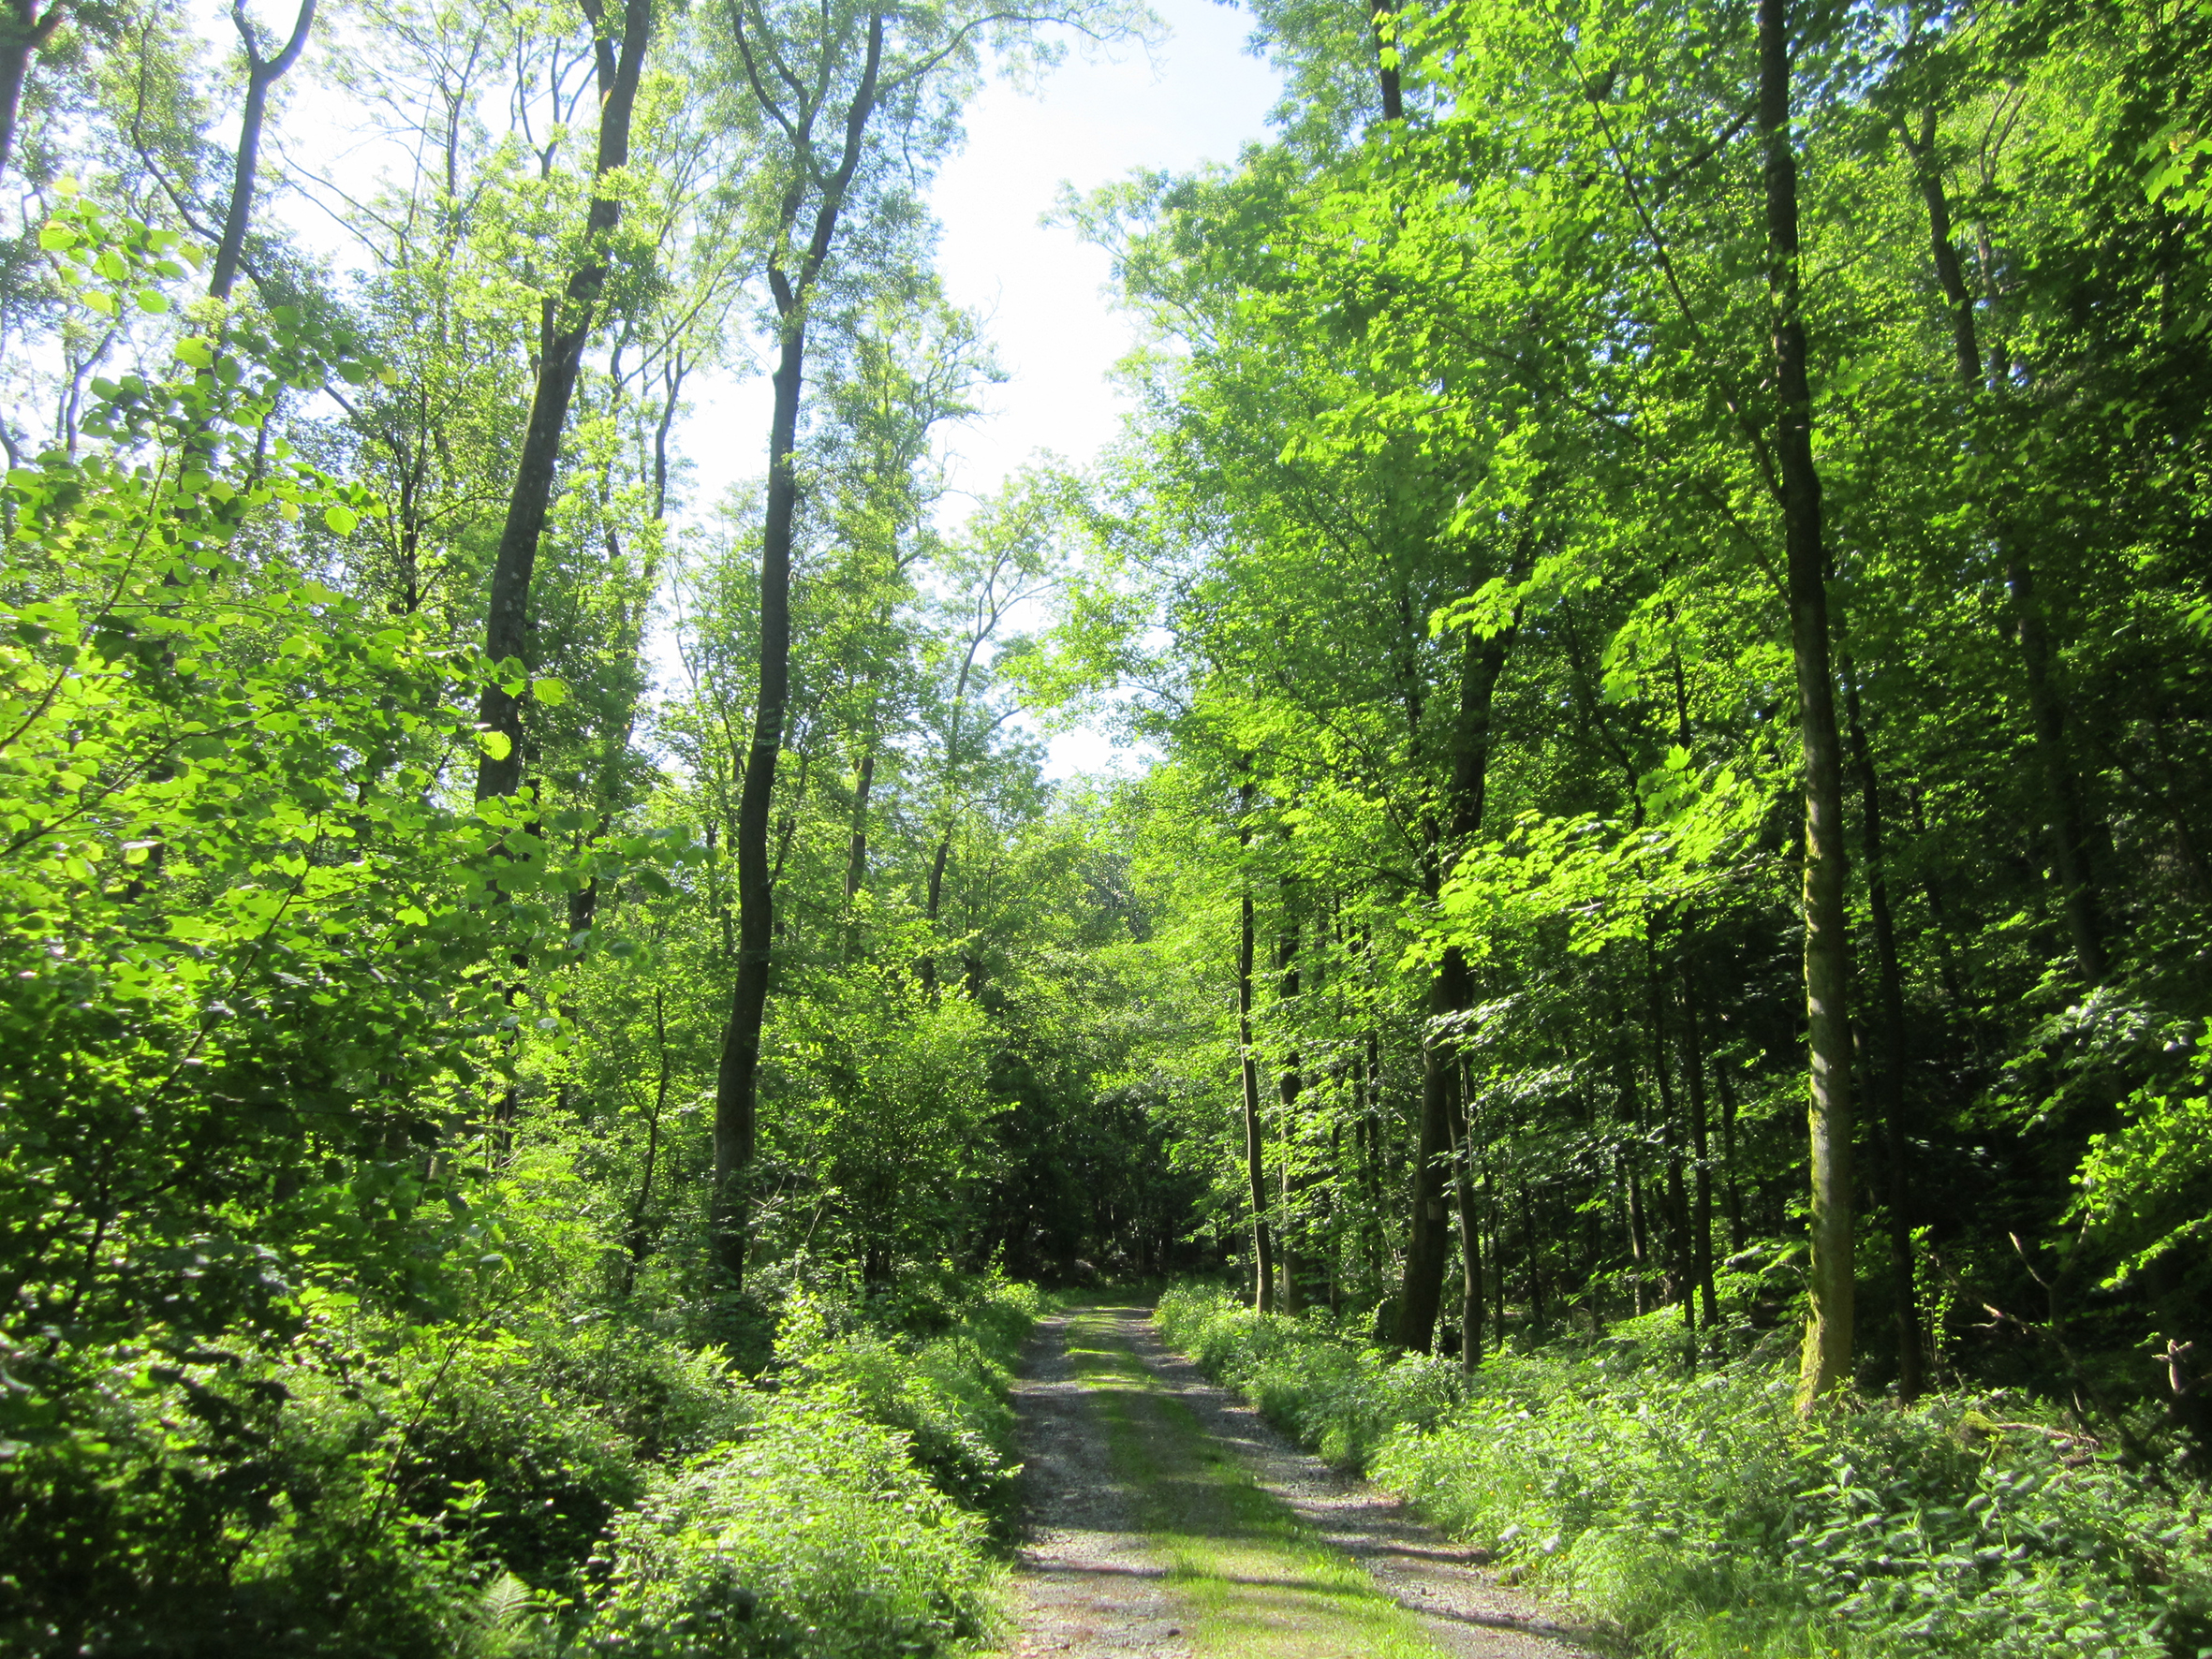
(1088, 1584)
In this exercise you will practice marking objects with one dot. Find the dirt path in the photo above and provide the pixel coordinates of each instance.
(1165, 1519)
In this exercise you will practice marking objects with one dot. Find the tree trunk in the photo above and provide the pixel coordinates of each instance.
(1532, 1256)
(1732, 1195)
(1682, 1256)
(1482, 665)
(27, 30)
(1826, 1359)
(736, 1079)
(1470, 1230)
(641, 1238)
(1890, 1051)
(1289, 1086)
(260, 75)
(1386, 63)
(1255, 1140)
(2069, 827)
(506, 616)
(1693, 1078)
(1638, 1245)
(856, 856)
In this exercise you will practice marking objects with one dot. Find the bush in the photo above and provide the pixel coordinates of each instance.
(948, 1392)
(1702, 1515)
(814, 1534)
(488, 1493)
(849, 1517)
(228, 1505)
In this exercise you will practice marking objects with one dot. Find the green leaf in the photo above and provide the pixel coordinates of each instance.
(340, 519)
(551, 693)
(498, 744)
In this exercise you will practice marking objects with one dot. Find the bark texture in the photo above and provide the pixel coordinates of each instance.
(1826, 1358)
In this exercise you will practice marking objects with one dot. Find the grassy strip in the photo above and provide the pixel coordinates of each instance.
(1253, 1577)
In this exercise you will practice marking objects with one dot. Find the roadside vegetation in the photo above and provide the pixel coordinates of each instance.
(1699, 1514)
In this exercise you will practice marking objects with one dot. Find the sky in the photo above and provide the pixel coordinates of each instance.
(1197, 96)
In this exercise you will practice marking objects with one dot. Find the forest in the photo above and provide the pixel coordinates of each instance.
(1644, 978)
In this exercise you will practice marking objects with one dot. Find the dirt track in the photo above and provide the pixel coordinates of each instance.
(1117, 1560)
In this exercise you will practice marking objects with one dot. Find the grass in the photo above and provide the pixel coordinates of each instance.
(1252, 1578)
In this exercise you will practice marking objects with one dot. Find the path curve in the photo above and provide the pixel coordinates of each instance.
(1090, 1584)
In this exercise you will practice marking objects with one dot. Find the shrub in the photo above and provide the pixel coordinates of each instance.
(231, 1505)
(948, 1392)
(814, 1534)
(1703, 1516)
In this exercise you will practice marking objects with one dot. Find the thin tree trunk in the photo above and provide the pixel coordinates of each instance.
(1732, 1194)
(1639, 1244)
(1385, 15)
(1939, 914)
(568, 324)
(1368, 1101)
(1289, 1086)
(1693, 1077)
(736, 1079)
(1533, 1260)
(1889, 1051)
(1255, 1140)
(2069, 837)
(260, 75)
(1490, 1213)
(1681, 1248)
(640, 1239)
(856, 857)
(927, 968)
(1471, 1231)
(1826, 1359)
(28, 32)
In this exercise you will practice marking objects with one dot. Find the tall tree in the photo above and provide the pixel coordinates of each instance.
(1827, 1352)
(816, 82)
(568, 319)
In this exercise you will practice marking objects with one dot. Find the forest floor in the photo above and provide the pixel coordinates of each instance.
(1165, 1520)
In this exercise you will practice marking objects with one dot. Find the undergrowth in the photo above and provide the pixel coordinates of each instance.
(1700, 1517)
(550, 1492)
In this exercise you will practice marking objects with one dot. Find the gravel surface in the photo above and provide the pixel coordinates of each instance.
(1087, 1584)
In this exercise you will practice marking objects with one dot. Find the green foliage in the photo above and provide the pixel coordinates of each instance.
(947, 1392)
(1703, 1517)
(813, 1535)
